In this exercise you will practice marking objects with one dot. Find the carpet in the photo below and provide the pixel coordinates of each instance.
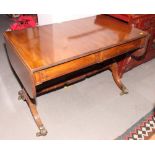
(141, 130)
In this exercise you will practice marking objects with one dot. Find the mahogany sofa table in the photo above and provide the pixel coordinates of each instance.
(45, 57)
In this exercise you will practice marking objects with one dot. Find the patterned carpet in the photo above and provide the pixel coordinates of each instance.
(142, 130)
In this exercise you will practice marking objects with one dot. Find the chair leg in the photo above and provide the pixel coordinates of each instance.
(114, 69)
(33, 108)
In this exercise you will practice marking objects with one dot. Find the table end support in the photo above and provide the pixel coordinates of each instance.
(114, 69)
(33, 108)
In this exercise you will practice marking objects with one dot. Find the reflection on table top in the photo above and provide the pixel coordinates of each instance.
(56, 43)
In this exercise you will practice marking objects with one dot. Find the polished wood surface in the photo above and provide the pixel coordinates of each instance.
(23, 73)
(49, 57)
(50, 45)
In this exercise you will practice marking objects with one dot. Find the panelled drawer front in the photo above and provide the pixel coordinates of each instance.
(77, 64)
(116, 51)
(66, 68)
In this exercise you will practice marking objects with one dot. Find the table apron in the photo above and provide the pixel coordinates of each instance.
(83, 62)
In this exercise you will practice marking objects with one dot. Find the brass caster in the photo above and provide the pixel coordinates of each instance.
(21, 95)
(42, 132)
(124, 91)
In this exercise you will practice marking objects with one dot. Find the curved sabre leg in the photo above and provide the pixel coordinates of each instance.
(114, 70)
(32, 106)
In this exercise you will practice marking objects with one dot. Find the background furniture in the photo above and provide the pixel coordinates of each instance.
(144, 22)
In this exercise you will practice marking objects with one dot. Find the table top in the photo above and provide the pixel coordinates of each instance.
(50, 45)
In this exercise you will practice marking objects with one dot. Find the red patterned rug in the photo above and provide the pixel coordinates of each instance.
(142, 130)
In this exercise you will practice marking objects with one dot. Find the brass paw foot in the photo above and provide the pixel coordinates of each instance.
(124, 91)
(114, 69)
(21, 95)
(42, 132)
